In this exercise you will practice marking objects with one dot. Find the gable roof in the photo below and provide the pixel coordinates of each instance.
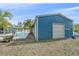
(59, 14)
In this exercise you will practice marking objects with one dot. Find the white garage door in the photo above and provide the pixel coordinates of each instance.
(58, 31)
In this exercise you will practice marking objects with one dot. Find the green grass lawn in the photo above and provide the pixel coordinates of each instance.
(51, 48)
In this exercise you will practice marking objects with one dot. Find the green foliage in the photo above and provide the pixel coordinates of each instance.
(4, 16)
(77, 28)
(28, 23)
(8, 38)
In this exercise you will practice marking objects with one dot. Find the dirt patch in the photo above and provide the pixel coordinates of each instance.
(51, 48)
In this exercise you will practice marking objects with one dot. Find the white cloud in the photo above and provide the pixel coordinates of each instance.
(77, 17)
(72, 13)
(65, 10)
(71, 9)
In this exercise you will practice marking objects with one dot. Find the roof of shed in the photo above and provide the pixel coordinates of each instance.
(59, 14)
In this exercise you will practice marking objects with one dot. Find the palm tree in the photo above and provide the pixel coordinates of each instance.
(4, 16)
(28, 24)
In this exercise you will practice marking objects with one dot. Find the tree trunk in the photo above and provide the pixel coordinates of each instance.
(31, 37)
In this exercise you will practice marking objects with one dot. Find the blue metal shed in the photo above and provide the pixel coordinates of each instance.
(53, 26)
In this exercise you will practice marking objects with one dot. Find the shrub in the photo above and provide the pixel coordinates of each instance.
(8, 38)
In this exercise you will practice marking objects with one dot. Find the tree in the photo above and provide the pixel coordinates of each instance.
(77, 28)
(5, 24)
(28, 24)
(4, 16)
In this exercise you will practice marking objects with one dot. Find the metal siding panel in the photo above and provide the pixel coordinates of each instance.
(43, 31)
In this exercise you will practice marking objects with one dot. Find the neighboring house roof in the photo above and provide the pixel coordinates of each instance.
(58, 14)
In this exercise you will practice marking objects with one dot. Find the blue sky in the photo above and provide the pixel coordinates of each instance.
(23, 11)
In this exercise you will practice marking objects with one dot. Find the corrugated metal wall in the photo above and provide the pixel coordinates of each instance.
(45, 26)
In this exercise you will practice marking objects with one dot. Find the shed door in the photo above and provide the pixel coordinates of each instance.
(58, 31)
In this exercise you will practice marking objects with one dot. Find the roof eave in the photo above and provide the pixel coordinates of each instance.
(54, 14)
